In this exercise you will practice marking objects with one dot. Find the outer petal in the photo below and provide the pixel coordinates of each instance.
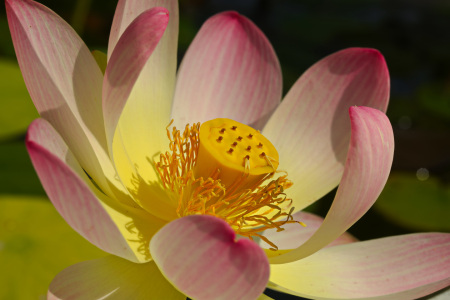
(112, 278)
(114, 227)
(200, 256)
(64, 82)
(229, 71)
(127, 61)
(401, 267)
(310, 129)
(367, 168)
(295, 235)
(141, 132)
(128, 10)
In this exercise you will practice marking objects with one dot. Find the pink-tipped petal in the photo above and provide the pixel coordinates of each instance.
(41, 132)
(200, 256)
(112, 226)
(127, 61)
(229, 71)
(367, 168)
(401, 267)
(311, 130)
(128, 10)
(295, 235)
(141, 131)
(64, 82)
(112, 278)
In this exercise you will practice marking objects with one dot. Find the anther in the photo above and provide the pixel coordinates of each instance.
(230, 151)
(234, 128)
(250, 136)
(262, 155)
(260, 145)
(239, 138)
(248, 148)
(222, 131)
(246, 164)
(219, 139)
(234, 144)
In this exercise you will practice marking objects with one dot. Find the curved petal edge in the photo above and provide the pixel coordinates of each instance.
(367, 168)
(235, 71)
(70, 194)
(393, 268)
(310, 128)
(200, 256)
(128, 59)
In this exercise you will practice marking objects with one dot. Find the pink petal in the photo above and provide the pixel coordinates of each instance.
(367, 168)
(141, 132)
(148, 107)
(295, 235)
(112, 278)
(64, 82)
(229, 71)
(401, 267)
(112, 226)
(200, 256)
(128, 10)
(310, 129)
(127, 61)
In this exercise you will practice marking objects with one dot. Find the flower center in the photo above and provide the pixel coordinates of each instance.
(229, 170)
(240, 152)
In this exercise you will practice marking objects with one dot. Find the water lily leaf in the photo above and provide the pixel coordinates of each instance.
(16, 108)
(416, 204)
(35, 245)
(17, 175)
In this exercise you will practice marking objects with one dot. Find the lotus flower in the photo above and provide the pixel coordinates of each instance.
(178, 210)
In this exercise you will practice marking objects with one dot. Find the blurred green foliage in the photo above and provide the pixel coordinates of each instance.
(35, 244)
(16, 109)
(417, 204)
(17, 175)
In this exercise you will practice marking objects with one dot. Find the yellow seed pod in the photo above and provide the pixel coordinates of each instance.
(235, 153)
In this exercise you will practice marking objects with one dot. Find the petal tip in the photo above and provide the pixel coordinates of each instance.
(354, 109)
(370, 54)
(358, 109)
(231, 14)
(162, 11)
(231, 17)
(376, 56)
(367, 51)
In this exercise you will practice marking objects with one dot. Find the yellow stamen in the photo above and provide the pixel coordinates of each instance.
(211, 169)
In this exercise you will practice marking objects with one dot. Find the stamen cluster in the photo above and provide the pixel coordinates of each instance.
(248, 210)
